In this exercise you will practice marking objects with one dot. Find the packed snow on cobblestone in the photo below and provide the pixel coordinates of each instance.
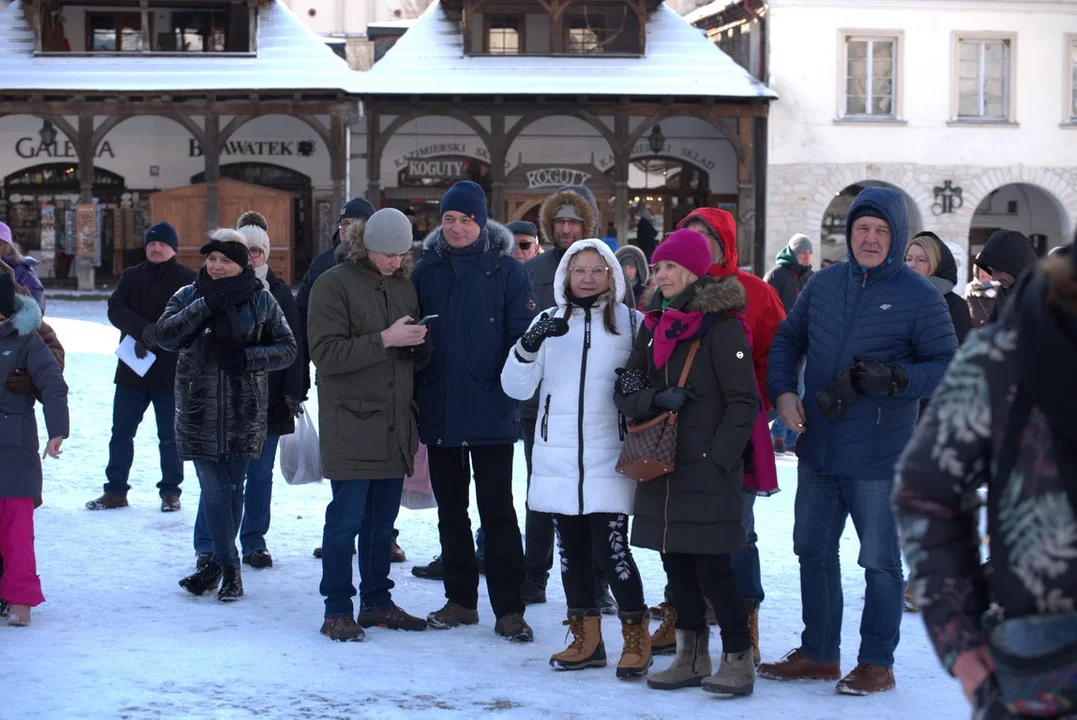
(118, 638)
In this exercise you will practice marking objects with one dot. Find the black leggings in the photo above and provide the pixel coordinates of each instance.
(603, 537)
(691, 577)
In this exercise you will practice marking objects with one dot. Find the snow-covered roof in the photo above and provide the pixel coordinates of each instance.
(679, 60)
(290, 57)
(707, 10)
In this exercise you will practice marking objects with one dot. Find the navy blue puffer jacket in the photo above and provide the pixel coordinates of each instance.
(887, 313)
(484, 301)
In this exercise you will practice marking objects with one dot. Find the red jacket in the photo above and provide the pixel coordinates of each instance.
(764, 310)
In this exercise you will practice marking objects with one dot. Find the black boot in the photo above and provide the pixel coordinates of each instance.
(204, 579)
(232, 587)
(534, 594)
(606, 604)
(433, 571)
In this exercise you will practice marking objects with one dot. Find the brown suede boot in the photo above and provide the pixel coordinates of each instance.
(587, 649)
(690, 666)
(867, 679)
(452, 616)
(18, 615)
(798, 666)
(636, 656)
(664, 640)
(753, 628)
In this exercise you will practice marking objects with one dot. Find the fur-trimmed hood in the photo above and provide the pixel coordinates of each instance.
(27, 316)
(499, 235)
(583, 202)
(643, 269)
(709, 295)
(352, 248)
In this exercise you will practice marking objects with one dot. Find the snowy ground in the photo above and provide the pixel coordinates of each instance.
(119, 639)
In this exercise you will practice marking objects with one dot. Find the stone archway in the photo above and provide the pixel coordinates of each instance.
(830, 231)
(1063, 196)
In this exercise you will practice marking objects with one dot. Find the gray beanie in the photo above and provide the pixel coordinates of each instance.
(800, 243)
(388, 231)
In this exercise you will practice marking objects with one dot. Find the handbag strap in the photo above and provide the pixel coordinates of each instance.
(688, 363)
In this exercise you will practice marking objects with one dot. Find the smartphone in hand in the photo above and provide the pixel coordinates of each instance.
(427, 320)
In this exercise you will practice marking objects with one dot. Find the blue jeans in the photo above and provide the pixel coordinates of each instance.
(128, 407)
(746, 561)
(221, 505)
(256, 501)
(367, 509)
(823, 503)
(778, 431)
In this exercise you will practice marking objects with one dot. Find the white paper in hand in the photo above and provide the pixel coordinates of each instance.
(126, 353)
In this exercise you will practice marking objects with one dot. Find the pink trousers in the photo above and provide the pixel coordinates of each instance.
(19, 583)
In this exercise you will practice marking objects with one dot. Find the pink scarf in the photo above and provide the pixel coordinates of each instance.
(668, 328)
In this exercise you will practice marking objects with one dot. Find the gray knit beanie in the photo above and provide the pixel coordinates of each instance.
(388, 231)
(800, 243)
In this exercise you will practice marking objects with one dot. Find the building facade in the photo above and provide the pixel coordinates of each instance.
(969, 107)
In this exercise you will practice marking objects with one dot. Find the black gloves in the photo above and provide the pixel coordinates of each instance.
(630, 381)
(544, 328)
(837, 398)
(872, 378)
(294, 408)
(674, 398)
(234, 364)
(144, 341)
(216, 302)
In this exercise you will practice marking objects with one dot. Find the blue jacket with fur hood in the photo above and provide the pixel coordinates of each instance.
(887, 313)
(484, 301)
(21, 347)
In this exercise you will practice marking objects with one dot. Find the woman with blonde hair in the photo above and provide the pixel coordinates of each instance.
(928, 255)
(570, 354)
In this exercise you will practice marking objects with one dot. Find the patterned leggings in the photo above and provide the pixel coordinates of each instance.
(602, 539)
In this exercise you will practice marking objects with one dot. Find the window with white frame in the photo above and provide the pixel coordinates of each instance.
(870, 76)
(984, 78)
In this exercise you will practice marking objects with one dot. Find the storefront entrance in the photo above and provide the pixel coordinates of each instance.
(422, 182)
(671, 189)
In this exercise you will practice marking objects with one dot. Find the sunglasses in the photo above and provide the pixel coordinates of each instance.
(525, 245)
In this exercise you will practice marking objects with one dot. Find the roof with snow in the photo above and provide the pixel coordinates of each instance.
(707, 10)
(679, 61)
(290, 57)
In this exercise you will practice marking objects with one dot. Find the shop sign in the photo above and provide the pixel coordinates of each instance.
(643, 149)
(258, 148)
(437, 169)
(30, 148)
(555, 177)
(439, 149)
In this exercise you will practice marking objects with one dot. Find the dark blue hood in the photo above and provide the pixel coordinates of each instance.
(890, 206)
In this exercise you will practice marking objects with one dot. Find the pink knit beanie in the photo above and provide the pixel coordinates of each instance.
(688, 249)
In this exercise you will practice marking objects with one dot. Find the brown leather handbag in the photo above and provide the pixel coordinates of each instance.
(650, 448)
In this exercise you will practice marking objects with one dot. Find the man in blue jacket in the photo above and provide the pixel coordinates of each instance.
(483, 301)
(877, 338)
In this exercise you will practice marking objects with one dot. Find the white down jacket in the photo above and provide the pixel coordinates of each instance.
(577, 437)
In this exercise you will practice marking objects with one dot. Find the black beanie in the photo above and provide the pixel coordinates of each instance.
(7, 295)
(162, 232)
(357, 208)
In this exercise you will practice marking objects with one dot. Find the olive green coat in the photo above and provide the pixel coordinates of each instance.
(367, 423)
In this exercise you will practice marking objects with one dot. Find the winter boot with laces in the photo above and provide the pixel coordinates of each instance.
(664, 640)
(391, 618)
(735, 676)
(452, 616)
(514, 628)
(690, 666)
(636, 655)
(204, 579)
(232, 586)
(867, 679)
(587, 649)
(342, 629)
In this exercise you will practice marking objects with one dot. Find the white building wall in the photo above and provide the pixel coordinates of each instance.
(812, 155)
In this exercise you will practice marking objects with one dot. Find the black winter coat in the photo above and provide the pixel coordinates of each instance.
(138, 300)
(219, 416)
(699, 507)
(1011, 252)
(289, 381)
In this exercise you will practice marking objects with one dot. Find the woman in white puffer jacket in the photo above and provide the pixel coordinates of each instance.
(570, 354)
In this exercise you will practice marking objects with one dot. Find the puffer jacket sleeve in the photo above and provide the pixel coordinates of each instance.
(519, 304)
(934, 345)
(638, 405)
(182, 321)
(281, 350)
(730, 356)
(47, 377)
(523, 371)
(53, 343)
(333, 348)
(788, 347)
(937, 509)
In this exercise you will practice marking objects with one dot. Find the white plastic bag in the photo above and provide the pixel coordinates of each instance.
(300, 456)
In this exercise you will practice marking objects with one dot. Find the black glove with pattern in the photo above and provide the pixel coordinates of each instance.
(872, 378)
(630, 381)
(546, 327)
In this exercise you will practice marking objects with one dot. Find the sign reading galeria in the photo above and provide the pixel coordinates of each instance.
(31, 148)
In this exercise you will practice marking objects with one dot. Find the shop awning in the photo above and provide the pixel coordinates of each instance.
(289, 57)
(679, 62)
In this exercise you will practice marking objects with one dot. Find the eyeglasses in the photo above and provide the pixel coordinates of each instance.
(525, 245)
(598, 271)
(254, 252)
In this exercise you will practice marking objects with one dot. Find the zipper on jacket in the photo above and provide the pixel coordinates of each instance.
(849, 323)
(222, 411)
(878, 429)
(546, 419)
(583, 387)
